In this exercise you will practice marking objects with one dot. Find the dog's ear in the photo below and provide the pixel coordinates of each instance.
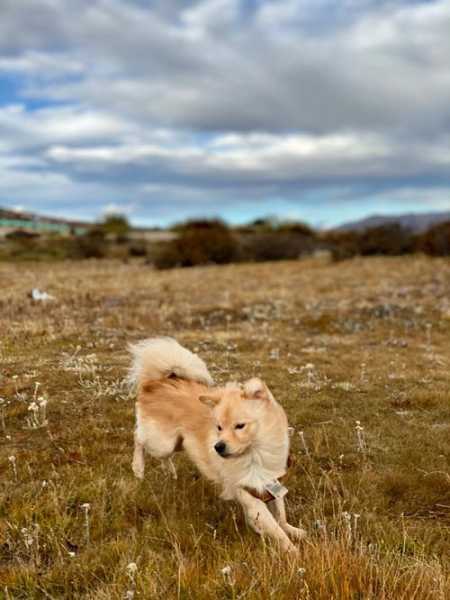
(209, 399)
(256, 389)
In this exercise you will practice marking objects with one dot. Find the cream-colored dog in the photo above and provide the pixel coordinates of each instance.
(236, 435)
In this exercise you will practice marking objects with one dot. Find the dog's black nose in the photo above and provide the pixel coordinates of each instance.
(220, 448)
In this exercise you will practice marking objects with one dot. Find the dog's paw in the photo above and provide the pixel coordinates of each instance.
(295, 533)
(291, 550)
(138, 470)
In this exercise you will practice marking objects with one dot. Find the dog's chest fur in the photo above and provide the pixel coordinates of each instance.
(255, 470)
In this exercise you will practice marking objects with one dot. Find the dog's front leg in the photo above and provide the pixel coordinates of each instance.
(278, 510)
(262, 521)
(138, 458)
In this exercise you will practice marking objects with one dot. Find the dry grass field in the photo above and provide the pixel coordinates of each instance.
(358, 353)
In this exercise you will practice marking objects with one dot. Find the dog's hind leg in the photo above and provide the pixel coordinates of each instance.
(278, 510)
(138, 458)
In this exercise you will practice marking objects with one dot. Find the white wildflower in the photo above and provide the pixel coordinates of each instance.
(12, 459)
(348, 524)
(86, 508)
(28, 538)
(227, 575)
(360, 437)
(132, 570)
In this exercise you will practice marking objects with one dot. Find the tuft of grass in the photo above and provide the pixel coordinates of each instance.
(358, 354)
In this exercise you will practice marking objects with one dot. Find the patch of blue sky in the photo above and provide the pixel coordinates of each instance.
(10, 89)
(15, 89)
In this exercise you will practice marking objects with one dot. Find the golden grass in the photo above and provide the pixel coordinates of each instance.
(366, 340)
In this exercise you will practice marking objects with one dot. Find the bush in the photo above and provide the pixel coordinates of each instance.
(385, 240)
(342, 245)
(20, 234)
(90, 245)
(138, 248)
(296, 227)
(195, 224)
(277, 245)
(436, 241)
(116, 225)
(212, 242)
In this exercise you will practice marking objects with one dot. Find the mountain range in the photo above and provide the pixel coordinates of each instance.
(415, 222)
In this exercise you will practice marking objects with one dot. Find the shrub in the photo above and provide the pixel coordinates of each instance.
(20, 234)
(116, 225)
(195, 224)
(296, 227)
(342, 245)
(212, 242)
(385, 240)
(277, 245)
(436, 241)
(90, 245)
(138, 248)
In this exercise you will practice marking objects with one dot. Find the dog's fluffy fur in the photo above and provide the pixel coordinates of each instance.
(178, 408)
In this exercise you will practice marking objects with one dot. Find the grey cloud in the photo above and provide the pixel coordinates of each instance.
(154, 87)
(387, 69)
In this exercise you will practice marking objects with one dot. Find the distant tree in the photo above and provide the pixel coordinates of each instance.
(341, 244)
(283, 244)
(115, 224)
(274, 224)
(211, 242)
(194, 224)
(385, 240)
(263, 224)
(436, 241)
(296, 227)
(388, 240)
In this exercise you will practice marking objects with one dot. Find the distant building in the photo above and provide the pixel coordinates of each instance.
(15, 222)
(12, 221)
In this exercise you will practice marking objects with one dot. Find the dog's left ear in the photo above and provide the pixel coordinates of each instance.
(256, 389)
(209, 399)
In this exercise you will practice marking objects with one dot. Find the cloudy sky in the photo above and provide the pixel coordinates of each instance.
(319, 110)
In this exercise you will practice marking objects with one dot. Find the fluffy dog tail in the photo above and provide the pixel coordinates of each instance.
(163, 357)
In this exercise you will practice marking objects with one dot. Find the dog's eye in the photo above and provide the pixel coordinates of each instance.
(240, 426)
(219, 428)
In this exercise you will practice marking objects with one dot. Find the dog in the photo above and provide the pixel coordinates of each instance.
(236, 435)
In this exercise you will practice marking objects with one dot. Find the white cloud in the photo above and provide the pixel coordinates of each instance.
(42, 64)
(116, 208)
(22, 129)
(209, 15)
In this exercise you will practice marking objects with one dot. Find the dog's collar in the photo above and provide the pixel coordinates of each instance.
(266, 496)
